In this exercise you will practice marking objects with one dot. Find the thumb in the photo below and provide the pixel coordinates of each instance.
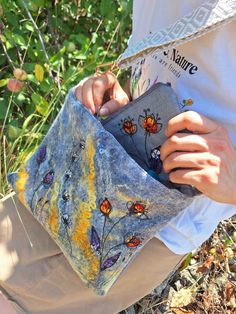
(192, 121)
(118, 99)
(110, 107)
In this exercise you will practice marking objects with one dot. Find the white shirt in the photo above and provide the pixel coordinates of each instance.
(203, 74)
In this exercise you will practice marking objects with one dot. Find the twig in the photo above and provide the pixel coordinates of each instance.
(23, 59)
(58, 78)
(113, 35)
(39, 34)
(18, 53)
(7, 55)
(4, 155)
(6, 115)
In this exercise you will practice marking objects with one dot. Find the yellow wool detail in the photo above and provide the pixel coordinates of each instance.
(124, 197)
(53, 220)
(20, 185)
(80, 233)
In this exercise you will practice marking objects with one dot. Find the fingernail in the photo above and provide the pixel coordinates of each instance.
(104, 111)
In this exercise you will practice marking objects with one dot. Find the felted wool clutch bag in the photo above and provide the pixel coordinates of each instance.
(98, 203)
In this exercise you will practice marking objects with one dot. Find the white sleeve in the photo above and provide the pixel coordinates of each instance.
(187, 231)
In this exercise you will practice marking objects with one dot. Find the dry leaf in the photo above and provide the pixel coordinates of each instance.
(229, 291)
(182, 297)
(206, 265)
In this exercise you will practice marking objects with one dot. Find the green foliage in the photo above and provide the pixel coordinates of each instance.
(68, 39)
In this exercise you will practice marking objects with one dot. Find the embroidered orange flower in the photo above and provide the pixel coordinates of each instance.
(188, 102)
(128, 126)
(150, 123)
(132, 241)
(137, 209)
(105, 207)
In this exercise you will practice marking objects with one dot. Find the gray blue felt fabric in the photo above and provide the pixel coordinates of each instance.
(94, 199)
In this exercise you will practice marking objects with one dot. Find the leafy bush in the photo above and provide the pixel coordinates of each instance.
(51, 45)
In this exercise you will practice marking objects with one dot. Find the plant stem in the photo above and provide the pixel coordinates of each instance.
(39, 34)
(7, 55)
(110, 42)
(5, 118)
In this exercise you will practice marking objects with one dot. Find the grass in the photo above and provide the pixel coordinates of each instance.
(66, 41)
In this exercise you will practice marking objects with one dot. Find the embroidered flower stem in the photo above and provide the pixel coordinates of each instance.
(112, 227)
(103, 242)
(138, 152)
(146, 145)
(112, 248)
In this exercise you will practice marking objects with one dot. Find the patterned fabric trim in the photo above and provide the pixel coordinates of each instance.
(207, 17)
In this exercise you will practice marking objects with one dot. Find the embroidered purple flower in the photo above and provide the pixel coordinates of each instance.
(48, 178)
(110, 261)
(95, 240)
(41, 154)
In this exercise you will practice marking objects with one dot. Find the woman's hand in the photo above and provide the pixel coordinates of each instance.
(205, 159)
(101, 94)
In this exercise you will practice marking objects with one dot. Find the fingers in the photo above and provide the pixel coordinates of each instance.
(118, 99)
(110, 79)
(183, 142)
(78, 92)
(99, 88)
(83, 95)
(205, 159)
(87, 95)
(184, 176)
(110, 107)
(101, 85)
(205, 180)
(79, 87)
(93, 91)
(193, 161)
(191, 121)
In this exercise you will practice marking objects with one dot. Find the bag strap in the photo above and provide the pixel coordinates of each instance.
(207, 17)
